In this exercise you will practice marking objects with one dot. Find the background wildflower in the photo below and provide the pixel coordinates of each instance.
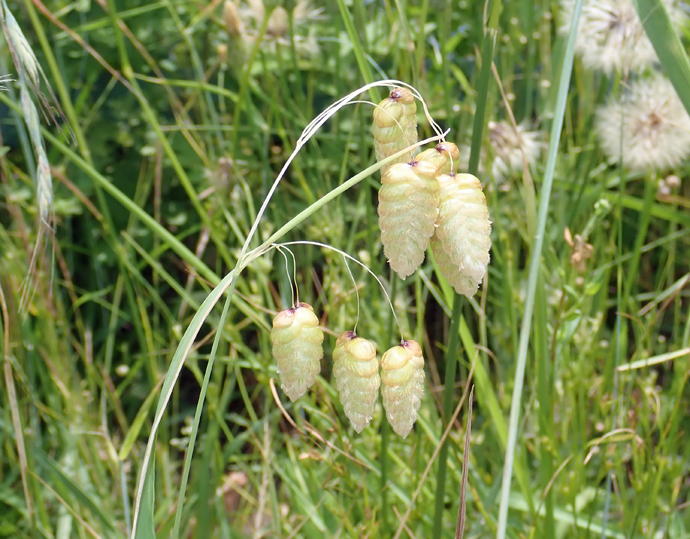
(304, 15)
(652, 122)
(611, 37)
(512, 147)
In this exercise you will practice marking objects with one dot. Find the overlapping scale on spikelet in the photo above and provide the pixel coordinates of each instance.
(462, 240)
(356, 372)
(441, 156)
(408, 207)
(395, 125)
(297, 347)
(402, 385)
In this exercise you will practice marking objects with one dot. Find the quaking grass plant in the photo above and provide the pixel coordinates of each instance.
(296, 338)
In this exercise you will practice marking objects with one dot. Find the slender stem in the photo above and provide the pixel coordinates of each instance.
(535, 261)
(448, 396)
(452, 353)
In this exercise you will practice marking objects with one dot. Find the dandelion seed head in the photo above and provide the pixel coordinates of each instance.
(512, 147)
(652, 123)
(610, 35)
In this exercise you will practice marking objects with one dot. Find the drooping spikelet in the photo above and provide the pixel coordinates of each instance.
(297, 340)
(395, 125)
(402, 377)
(408, 207)
(441, 156)
(356, 372)
(462, 241)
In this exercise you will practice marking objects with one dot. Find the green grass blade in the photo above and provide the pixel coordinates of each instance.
(534, 265)
(667, 44)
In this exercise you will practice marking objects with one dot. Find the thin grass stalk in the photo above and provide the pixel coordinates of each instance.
(386, 434)
(244, 83)
(462, 509)
(359, 53)
(535, 262)
(197, 416)
(544, 392)
(452, 354)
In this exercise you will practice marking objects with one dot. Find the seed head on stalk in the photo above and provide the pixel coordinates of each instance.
(402, 378)
(395, 125)
(463, 237)
(297, 340)
(356, 372)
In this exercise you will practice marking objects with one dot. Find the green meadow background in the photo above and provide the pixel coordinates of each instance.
(130, 405)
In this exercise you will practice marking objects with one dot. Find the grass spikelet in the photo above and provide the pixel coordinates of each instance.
(231, 17)
(408, 202)
(395, 125)
(462, 241)
(356, 372)
(402, 378)
(22, 53)
(297, 341)
(445, 155)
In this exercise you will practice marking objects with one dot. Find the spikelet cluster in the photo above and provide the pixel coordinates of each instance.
(297, 347)
(402, 378)
(395, 125)
(408, 206)
(462, 240)
(356, 372)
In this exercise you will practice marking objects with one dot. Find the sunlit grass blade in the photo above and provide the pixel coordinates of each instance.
(534, 266)
(666, 42)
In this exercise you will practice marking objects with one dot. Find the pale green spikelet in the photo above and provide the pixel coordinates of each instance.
(297, 347)
(408, 208)
(441, 156)
(356, 372)
(463, 237)
(402, 389)
(395, 125)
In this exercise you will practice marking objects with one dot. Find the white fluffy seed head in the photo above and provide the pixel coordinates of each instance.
(356, 373)
(654, 125)
(463, 237)
(395, 125)
(297, 347)
(408, 207)
(402, 389)
(512, 148)
(611, 37)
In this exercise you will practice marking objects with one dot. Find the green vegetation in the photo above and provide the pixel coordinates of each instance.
(137, 286)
